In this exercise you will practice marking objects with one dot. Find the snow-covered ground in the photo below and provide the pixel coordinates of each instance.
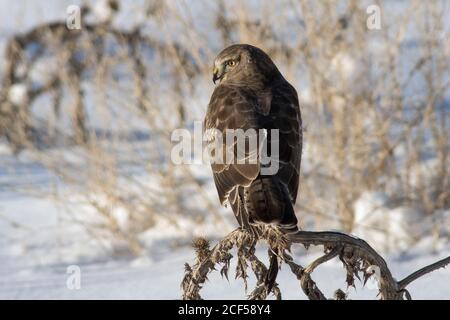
(38, 251)
(41, 245)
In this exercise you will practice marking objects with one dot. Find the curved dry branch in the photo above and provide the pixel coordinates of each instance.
(421, 272)
(54, 39)
(356, 254)
(355, 249)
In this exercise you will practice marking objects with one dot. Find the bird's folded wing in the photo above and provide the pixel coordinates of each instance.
(232, 129)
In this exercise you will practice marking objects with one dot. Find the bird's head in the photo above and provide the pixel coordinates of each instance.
(243, 63)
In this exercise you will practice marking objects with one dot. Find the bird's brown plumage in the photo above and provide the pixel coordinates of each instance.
(253, 94)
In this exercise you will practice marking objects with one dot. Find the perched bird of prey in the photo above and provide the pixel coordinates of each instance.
(252, 94)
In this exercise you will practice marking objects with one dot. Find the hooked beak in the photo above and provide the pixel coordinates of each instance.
(217, 74)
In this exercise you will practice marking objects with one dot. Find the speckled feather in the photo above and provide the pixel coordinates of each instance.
(257, 96)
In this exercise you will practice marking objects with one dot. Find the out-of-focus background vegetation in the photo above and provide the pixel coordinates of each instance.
(86, 118)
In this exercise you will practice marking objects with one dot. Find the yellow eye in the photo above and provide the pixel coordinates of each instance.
(231, 63)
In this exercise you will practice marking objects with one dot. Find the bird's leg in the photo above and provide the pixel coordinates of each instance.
(255, 230)
(272, 271)
(251, 231)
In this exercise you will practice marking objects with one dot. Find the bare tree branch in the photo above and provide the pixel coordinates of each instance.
(421, 272)
(356, 254)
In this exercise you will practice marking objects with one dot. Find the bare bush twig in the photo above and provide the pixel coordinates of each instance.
(357, 256)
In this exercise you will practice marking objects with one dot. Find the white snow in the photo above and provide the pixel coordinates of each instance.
(102, 11)
(18, 94)
(387, 228)
(39, 240)
(38, 244)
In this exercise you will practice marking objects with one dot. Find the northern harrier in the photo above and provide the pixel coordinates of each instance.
(252, 94)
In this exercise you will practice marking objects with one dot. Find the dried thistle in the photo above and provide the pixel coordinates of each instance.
(355, 254)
